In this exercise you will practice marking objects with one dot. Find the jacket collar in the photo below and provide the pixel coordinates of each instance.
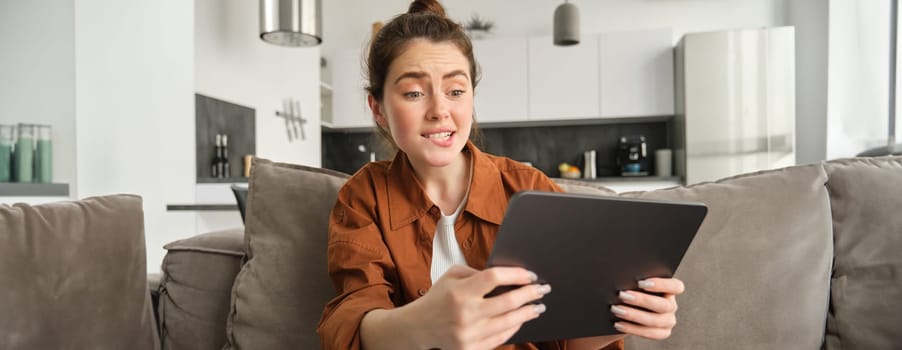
(408, 200)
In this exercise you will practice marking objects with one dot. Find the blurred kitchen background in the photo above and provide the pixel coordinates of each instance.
(168, 99)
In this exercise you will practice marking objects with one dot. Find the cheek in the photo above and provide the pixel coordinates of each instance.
(403, 118)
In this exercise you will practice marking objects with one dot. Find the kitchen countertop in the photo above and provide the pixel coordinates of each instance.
(201, 207)
(674, 179)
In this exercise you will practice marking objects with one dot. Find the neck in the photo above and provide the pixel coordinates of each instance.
(447, 185)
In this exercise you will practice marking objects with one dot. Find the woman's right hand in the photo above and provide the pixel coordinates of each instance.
(455, 314)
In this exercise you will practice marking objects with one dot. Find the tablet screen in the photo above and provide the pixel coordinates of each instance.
(588, 248)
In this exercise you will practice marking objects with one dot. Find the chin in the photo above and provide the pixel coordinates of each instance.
(443, 157)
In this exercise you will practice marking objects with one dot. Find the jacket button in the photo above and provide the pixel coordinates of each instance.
(422, 291)
(433, 211)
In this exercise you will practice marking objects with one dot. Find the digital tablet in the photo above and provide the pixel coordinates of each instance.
(588, 248)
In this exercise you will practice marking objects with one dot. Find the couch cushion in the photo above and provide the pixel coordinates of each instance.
(758, 271)
(866, 303)
(279, 294)
(584, 187)
(196, 289)
(74, 276)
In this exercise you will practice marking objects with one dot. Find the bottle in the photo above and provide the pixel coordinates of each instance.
(589, 164)
(43, 155)
(226, 169)
(214, 167)
(6, 152)
(25, 153)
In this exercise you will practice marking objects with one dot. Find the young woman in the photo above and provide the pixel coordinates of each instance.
(409, 238)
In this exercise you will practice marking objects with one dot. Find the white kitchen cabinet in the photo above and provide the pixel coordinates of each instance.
(636, 73)
(349, 109)
(502, 93)
(563, 80)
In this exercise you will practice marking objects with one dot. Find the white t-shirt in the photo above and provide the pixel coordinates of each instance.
(445, 249)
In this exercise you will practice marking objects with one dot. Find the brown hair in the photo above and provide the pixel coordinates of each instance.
(425, 19)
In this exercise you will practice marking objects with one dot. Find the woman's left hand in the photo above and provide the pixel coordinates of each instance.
(648, 315)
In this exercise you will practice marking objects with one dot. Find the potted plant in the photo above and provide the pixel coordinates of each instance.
(478, 27)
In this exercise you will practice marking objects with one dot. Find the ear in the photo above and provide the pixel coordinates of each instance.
(378, 113)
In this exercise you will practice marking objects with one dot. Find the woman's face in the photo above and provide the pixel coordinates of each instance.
(427, 103)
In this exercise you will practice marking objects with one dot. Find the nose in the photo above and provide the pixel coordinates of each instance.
(439, 108)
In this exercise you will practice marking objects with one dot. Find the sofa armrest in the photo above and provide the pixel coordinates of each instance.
(196, 289)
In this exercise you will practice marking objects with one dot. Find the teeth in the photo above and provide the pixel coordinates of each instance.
(440, 135)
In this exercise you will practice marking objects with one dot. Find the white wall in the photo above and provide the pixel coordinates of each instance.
(134, 110)
(858, 88)
(37, 74)
(233, 64)
(810, 18)
(347, 23)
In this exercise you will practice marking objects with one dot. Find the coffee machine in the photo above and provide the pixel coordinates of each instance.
(632, 156)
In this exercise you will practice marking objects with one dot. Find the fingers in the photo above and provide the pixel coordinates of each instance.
(645, 332)
(662, 285)
(514, 299)
(648, 315)
(644, 318)
(654, 303)
(486, 280)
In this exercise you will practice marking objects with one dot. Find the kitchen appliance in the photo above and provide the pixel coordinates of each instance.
(632, 156)
(736, 102)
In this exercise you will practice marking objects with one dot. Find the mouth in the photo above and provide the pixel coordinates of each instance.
(439, 135)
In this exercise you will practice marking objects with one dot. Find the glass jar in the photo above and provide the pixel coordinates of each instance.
(7, 137)
(24, 153)
(43, 154)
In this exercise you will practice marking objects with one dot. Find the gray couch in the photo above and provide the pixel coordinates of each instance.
(803, 257)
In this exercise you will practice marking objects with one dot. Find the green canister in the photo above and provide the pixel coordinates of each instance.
(43, 155)
(24, 153)
(6, 152)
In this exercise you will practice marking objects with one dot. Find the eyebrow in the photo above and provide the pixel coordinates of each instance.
(420, 75)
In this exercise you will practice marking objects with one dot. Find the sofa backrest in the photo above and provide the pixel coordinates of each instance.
(757, 273)
(74, 276)
(279, 294)
(866, 288)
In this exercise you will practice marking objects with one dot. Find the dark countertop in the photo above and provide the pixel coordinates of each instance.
(201, 207)
(214, 180)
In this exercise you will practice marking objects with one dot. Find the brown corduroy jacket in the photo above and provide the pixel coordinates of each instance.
(381, 232)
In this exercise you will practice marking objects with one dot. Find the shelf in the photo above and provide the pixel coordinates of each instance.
(329, 127)
(17, 189)
(214, 180)
(201, 207)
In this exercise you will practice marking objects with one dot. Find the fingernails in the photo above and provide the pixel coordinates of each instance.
(543, 289)
(540, 308)
(619, 326)
(627, 296)
(532, 276)
(617, 310)
(645, 284)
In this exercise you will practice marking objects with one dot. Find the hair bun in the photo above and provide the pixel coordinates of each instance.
(427, 6)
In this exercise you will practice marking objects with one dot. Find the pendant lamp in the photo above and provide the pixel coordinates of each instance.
(294, 23)
(566, 25)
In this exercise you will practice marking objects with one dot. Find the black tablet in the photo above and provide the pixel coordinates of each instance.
(588, 248)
